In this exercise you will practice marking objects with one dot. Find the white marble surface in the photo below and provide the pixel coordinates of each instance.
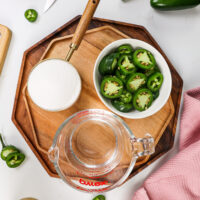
(176, 32)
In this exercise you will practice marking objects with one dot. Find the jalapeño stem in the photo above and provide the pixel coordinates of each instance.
(2, 142)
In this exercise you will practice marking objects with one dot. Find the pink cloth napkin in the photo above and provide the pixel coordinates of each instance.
(179, 178)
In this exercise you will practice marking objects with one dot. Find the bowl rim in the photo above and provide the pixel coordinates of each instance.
(111, 108)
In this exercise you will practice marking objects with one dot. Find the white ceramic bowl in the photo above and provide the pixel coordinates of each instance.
(164, 91)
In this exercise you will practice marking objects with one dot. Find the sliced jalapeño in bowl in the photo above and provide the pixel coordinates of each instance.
(136, 81)
(111, 87)
(122, 77)
(130, 78)
(121, 106)
(108, 64)
(155, 81)
(126, 97)
(144, 59)
(125, 49)
(142, 99)
(126, 65)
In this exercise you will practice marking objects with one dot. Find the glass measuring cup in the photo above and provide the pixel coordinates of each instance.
(95, 151)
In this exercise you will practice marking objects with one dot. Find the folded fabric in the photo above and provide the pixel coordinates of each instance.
(179, 178)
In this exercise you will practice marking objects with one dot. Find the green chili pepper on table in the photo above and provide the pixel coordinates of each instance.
(11, 155)
(31, 15)
(15, 159)
(6, 150)
(100, 197)
(174, 4)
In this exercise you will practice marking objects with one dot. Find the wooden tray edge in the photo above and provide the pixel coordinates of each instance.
(171, 114)
(88, 31)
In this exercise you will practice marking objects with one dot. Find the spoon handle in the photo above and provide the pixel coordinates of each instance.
(82, 26)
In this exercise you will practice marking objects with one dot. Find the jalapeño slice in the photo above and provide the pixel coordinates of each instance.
(121, 106)
(7, 149)
(149, 72)
(126, 97)
(108, 64)
(31, 15)
(111, 87)
(15, 159)
(100, 197)
(142, 99)
(136, 81)
(122, 77)
(126, 65)
(155, 81)
(144, 59)
(125, 49)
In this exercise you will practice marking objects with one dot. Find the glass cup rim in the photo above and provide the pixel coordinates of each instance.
(91, 111)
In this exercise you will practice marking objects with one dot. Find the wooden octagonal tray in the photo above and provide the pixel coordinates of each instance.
(46, 123)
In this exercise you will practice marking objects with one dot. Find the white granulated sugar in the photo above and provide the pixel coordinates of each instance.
(54, 85)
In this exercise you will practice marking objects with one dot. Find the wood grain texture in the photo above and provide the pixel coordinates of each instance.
(34, 54)
(84, 21)
(5, 36)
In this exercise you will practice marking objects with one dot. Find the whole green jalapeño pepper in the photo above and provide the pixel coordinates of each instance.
(31, 15)
(7, 150)
(121, 106)
(15, 159)
(142, 99)
(144, 59)
(111, 87)
(155, 81)
(108, 64)
(126, 65)
(125, 49)
(136, 81)
(174, 4)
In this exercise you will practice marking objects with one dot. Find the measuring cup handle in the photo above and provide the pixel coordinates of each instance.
(84, 21)
(143, 146)
(82, 26)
